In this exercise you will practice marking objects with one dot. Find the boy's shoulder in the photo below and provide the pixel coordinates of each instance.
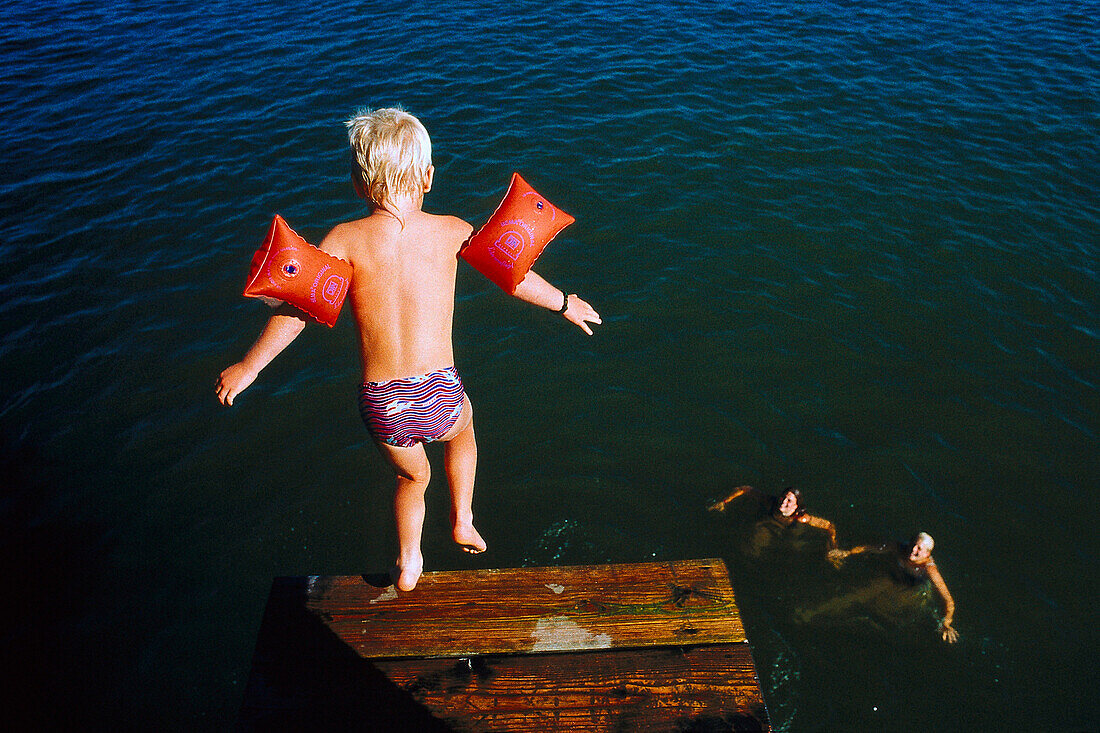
(446, 229)
(453, 224)
(343, 238)
(350, 236)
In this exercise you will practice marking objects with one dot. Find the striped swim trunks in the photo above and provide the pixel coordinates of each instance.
(404, 412)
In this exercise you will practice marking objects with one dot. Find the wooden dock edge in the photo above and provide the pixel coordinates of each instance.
(309, 672)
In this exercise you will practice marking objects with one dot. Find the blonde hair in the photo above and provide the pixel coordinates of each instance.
(392, 154)
(925, 539)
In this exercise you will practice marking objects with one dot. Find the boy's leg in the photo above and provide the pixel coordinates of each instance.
(460, 462)
(413, 474)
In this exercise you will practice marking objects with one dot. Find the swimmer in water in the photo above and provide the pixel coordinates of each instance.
(785, 513)
(914, 567)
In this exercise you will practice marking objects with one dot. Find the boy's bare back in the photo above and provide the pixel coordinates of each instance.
(402, 296)
(403, 289)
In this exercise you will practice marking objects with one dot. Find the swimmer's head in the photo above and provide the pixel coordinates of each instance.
(393, 155)
(922, 547)
(790, 502)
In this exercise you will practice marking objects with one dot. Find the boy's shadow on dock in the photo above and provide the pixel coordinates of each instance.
(304, 677)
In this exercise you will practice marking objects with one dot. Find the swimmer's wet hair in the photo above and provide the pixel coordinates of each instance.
(392, 153)
(797, 495)
(925, 539)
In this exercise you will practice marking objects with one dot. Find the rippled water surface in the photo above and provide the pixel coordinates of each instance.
(847, 246)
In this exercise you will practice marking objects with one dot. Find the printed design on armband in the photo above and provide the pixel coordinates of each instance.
(288, 269)
(334, 289)
(509, 243)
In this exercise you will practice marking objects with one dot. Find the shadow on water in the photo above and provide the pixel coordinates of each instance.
(304, 677)
(56, 675)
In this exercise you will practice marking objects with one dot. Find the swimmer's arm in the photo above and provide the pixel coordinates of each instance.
(946, 630)
(873, 549)
(720, 506)
(819, 523)
(534, 289)
(281, 329)
(837, 555)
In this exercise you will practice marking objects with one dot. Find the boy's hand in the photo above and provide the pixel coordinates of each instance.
(581, 313)
(232, 381)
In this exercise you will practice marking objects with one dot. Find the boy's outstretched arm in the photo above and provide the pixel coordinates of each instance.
(534, 289)
(281, 329)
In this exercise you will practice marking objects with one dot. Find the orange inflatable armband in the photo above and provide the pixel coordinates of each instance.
(504, 249)
(288, 268)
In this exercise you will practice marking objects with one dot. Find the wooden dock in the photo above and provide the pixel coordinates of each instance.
(628, 647)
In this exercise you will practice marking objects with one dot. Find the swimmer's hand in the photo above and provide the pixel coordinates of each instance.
(948, 633)
(720, 506)
(837, 556)
(234, 380)
(581, 313)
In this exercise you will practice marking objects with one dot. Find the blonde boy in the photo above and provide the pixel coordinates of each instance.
(402, 297)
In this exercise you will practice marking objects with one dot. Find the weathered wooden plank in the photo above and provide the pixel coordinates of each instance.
(526, 610)
(674, 658)
(656, 689)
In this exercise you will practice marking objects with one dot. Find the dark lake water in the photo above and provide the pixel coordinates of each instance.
(846, 246)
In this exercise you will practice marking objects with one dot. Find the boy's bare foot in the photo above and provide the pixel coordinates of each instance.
(405, 575)
(467, 538)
